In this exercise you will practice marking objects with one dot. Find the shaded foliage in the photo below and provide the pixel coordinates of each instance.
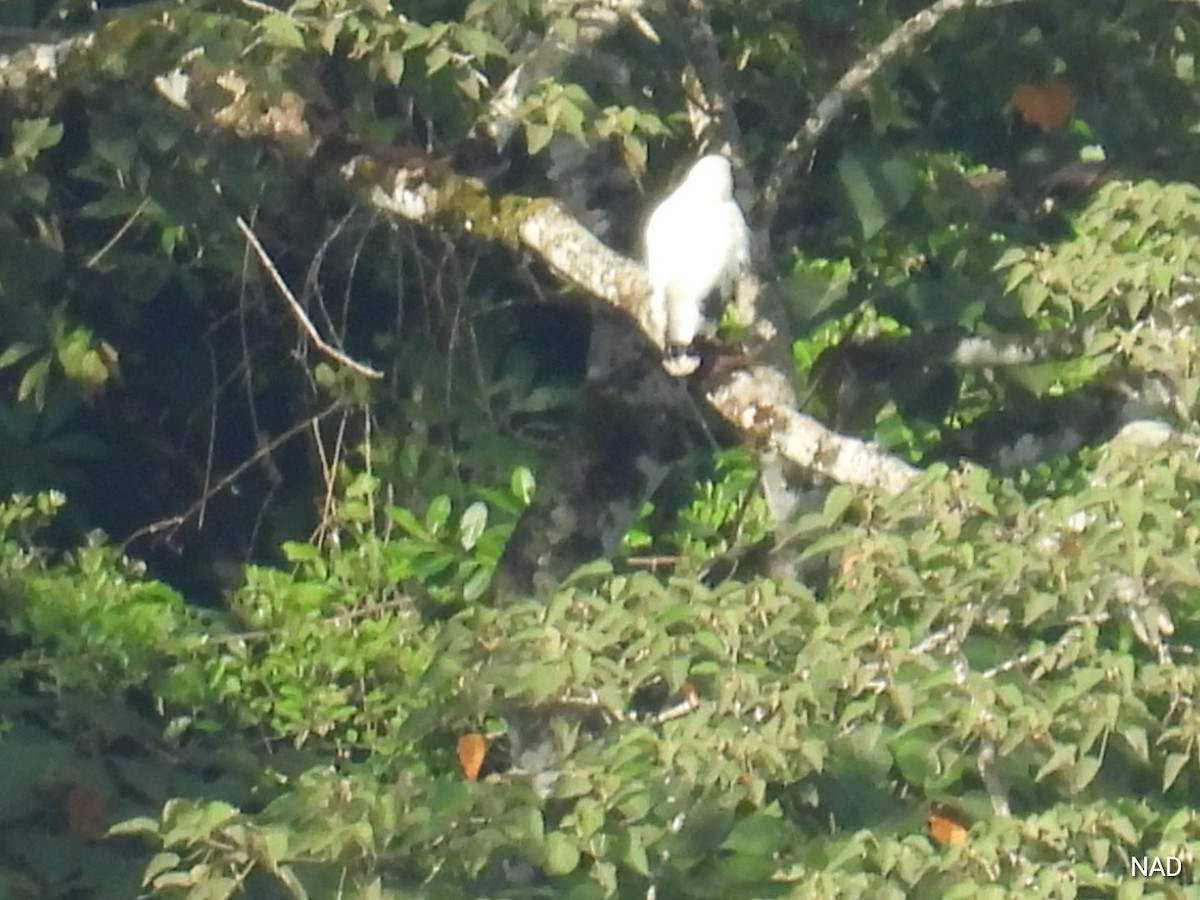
(1014, 652)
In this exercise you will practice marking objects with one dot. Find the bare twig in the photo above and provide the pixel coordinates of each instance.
(112, 242)
(329, 472)
(297, 310)
(211, 447)
(225, 481)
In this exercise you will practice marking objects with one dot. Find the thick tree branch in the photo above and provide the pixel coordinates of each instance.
(758, 401)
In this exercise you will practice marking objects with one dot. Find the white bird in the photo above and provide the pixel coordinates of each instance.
(696, 242)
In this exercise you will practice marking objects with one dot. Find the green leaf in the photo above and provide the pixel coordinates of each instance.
(392, 66)
(33, 383)
(31, 136)
(762, 833)
(522, 484)
(472, 525)
(545, 681)
(877, 191)
(477, 43)
(1017, 274)
(159, 863)
(1172, 767)
(279, 30)
(1039, 605)
(589, 815)
(408, 522)
(836, 503)
(706, 640)
(1063, 755)
(636, 807)
(438, 514)
(16, 352)
(298, 551)
(560, 854)
(1082, 773)
(635, 854)
(437, 59)
(476, 585)
(537, 136)
(139, 825)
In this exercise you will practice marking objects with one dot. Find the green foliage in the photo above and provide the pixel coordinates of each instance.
(962, 626)
(728, 512)
(1148, 232)
(975, 643)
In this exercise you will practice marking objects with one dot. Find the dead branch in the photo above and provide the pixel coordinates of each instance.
(265, 450)
(298, 310)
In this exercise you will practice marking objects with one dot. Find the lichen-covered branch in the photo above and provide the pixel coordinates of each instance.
(757, 401)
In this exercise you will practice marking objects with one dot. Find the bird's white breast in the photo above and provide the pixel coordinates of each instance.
(696, 242)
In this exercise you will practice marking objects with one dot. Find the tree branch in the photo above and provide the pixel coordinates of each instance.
(851, 86)
(757, 401)
(709, 99)
(297, 310)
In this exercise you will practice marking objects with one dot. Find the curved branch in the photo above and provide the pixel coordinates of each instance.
(851, 86)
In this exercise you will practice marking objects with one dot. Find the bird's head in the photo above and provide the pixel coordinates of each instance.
(712, 177)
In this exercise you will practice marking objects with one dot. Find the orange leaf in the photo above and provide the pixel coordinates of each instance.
(472, 748)
(945, 829)
(1047, 106)
(846, 566)
(83, 807)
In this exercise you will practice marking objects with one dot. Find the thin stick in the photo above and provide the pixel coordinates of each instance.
(264, 449)
(297, 310)
(112, 242)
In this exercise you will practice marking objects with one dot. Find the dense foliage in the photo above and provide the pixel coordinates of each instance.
(982, 686)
